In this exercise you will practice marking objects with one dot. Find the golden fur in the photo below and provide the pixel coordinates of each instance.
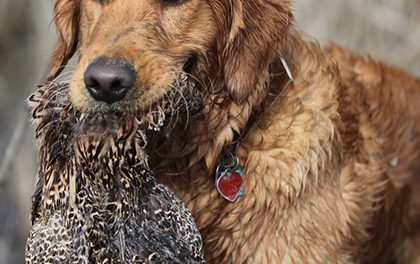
(331, 160)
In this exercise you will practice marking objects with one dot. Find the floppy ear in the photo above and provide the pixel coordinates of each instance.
(252, 38)
(66, 18)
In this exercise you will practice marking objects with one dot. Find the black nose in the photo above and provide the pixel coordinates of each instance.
(109, 79)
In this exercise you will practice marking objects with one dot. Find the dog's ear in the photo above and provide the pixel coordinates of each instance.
(66, 18)
(251, 39)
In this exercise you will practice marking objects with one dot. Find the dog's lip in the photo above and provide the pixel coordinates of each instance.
(185, 99)
(105, 108)
(128, 105)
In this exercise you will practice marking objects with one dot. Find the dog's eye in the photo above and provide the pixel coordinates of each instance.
(172, 2)
(101, 1)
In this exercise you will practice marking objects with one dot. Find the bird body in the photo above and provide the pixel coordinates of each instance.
(96, 200)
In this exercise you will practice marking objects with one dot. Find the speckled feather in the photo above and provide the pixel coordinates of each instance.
(96, 200)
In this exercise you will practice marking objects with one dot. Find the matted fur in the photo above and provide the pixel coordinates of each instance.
(331, 160)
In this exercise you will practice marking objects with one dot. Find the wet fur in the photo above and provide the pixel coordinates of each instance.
(331, 160)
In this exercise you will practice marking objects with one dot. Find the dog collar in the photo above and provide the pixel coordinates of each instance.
(229, 177)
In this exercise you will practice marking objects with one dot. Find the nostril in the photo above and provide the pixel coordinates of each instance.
(94, 89)
(109, 79)
(118, 89)
(91, 83)
(116, 85)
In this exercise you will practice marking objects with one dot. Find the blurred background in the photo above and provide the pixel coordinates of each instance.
(386, 29)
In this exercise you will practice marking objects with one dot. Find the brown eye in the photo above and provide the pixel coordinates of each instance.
(172, 2)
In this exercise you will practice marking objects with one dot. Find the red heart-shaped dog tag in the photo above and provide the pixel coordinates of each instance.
(229, 185)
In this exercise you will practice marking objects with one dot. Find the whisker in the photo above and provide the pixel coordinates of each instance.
(187, 110)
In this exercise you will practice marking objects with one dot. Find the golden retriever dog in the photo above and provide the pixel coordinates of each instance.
(321, 145)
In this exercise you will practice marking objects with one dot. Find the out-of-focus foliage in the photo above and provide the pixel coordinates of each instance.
(386, 29)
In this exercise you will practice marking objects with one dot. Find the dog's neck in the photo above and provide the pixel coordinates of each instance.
(299, 120)
(225, 123)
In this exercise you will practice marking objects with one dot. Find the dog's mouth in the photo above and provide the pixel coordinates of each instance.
(103, 95)
(181, 99)
(56, 117)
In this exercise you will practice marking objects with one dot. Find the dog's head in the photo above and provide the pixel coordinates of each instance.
(131, 52)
